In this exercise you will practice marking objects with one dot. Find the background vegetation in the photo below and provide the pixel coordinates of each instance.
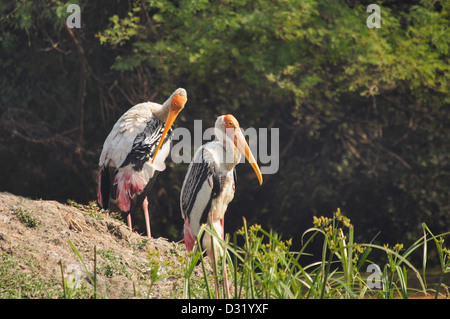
(363, 113)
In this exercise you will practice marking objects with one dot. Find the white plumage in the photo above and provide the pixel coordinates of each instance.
(207, 189)
(209, 184)
(135, 151)
(120, 140)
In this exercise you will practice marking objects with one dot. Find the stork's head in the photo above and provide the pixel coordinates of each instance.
(177, 101)
(179, 98)
(230, 126)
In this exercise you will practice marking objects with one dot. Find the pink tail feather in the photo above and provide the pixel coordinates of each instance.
(128, 183)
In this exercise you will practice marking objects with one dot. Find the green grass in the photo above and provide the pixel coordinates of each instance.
(262, 265)
(266, 266)
(28, 218)
(16, 284)
(113, 264)
(92, 209)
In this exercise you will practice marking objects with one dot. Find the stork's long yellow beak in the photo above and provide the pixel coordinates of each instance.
(242, 145)
(176, 106)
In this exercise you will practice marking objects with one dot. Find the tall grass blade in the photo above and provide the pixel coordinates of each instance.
(403, 281)
(75, 250)
(63, 279)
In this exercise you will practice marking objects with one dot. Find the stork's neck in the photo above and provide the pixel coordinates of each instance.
(231, 155)
(161, 111)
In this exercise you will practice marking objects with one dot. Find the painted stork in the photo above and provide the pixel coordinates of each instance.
(134, 153)
(209, 184)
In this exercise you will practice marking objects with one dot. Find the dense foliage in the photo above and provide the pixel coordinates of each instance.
(363, 113)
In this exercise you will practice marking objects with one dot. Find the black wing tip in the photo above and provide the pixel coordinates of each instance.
(104, 187)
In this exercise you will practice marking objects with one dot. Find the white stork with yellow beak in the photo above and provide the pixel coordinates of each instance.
(209, 184)
(134, 153)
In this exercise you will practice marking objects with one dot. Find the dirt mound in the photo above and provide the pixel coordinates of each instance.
(34, 239)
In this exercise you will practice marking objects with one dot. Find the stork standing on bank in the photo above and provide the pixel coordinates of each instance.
(134, 153)
(209, 184)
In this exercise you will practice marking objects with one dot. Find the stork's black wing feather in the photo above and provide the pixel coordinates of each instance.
(202, 183)
(145, 143)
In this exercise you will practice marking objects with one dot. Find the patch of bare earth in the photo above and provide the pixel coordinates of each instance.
(124, 258)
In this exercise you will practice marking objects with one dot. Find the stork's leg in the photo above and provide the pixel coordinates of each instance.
(147, 217)
(212, 256)
(129, 222)
(225, 278)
